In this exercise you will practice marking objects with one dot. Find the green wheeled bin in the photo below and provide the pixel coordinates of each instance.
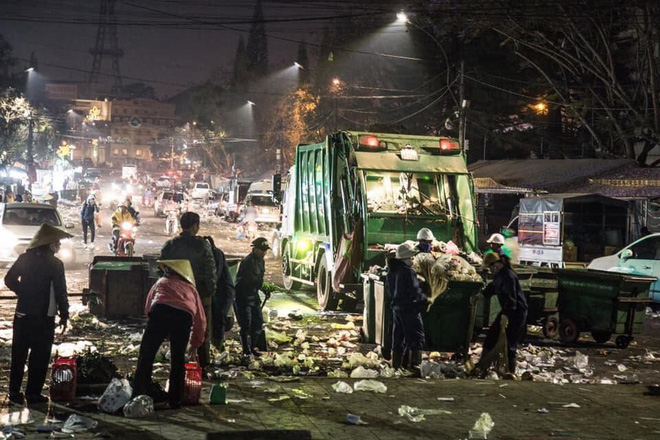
(449, 323)
(603, 303)
(542, 302)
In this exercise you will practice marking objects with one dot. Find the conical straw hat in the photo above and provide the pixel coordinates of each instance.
(181, 267)
(47, 234)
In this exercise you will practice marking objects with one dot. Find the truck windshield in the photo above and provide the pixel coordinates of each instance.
(400, 192)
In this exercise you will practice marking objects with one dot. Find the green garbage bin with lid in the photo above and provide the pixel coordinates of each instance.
(603, 303)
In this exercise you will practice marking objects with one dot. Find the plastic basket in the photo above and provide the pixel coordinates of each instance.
(192, 387)
(64, 379)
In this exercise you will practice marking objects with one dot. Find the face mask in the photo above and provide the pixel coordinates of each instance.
(424, 247)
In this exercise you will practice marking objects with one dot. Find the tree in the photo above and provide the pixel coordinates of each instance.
(240, 64)
(257, 46)
(295, 121)
(7, 62)
(15, 116)
(303, 60)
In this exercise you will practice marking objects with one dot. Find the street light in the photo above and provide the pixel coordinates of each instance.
(336, 82)
(298, 65)
(29, 69)
(402, 17)
(250, 102)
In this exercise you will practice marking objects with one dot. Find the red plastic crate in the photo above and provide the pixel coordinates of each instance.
(192, 387)
(64, 379)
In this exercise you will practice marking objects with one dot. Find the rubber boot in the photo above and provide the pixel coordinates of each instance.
(415, 358)
(397, 358)
(405, 361)
(247, 345)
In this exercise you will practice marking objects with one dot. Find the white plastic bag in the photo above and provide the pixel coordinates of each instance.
(363, 373)
(139, 407)
(482, 427)
(370, 385)
(417, 415)
(78, 423)
(115, 396)
(342, 387)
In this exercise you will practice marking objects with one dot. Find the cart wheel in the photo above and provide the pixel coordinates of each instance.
(601, 337)
(551, 327)
(623, 341)
(568, 331)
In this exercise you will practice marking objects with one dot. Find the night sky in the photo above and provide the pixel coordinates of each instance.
(169, 44)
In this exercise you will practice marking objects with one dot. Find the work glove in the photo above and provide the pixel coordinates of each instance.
(63, 323)
(267, 295)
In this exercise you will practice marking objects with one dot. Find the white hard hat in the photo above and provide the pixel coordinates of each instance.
(425, 234)
(496, 238)
(405, 251)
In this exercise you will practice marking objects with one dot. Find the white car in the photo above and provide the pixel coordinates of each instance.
(201, 190)
(164, 182)
(18, 224)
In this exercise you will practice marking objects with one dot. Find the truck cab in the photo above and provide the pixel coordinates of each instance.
(367, 190)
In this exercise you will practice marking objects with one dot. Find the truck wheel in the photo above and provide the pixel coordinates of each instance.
(623, 341)
(601, 337)
(550, 327)
(328, 300)
(568, 331)
(289, 284)
(275, 246)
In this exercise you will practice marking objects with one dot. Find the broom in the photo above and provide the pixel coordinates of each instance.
(497, 357)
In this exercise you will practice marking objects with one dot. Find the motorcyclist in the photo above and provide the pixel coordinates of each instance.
(170, 207)
(129, 204)
(119, 217)
(249, 218)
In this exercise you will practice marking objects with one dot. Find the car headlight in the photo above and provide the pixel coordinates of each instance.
(126, 225)
(65, 254)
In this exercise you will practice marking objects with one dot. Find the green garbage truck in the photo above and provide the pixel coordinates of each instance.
(368, 189)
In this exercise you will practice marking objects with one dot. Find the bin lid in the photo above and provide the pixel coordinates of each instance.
(118, 265)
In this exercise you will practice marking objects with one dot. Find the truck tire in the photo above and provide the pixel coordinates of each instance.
(327, 298)
(568, 331)
(289, 284)
(275, 246)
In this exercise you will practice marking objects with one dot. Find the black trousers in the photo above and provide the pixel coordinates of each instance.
(515, 331)
(221, 307)
(204, 351)
(252, 323)
(33, 334)
(164, 321)
(88, 224)
(407, 331)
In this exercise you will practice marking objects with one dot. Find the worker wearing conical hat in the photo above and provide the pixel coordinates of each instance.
(37, 278)
(175, 311)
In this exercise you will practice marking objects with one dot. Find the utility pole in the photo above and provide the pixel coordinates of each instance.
(463, 105)
(30, 158)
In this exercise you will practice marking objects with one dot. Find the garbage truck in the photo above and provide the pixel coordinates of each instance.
(357, 192)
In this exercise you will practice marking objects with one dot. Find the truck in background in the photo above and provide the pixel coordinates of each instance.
(381, 187)
(129, 172)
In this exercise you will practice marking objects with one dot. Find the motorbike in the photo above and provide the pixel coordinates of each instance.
(126, 243)
(248, 229)
(172, 222)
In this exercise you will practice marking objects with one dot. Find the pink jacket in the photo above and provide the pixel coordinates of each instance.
(181, 295)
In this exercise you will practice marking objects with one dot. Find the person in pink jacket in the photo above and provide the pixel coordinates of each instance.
(174, 311)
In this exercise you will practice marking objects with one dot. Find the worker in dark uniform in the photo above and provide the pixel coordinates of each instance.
(249, 279)
(512, 299)
(408, 302)
(224, 296)
(189, 246)
(37, 279)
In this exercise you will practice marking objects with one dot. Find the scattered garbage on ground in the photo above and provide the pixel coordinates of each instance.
(482, 427)
(417, 415)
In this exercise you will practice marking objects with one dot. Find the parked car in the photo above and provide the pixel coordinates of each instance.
(267, 210)
(18, 224)
(201, 190)
(641, 257)
(181, 198)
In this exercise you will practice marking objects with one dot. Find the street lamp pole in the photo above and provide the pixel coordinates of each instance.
(30, 140)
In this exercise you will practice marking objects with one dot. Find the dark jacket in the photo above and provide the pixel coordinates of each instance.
(30, 278)
(506, 286)
(198, 251)
(404, 287)
(224, 292)
(249, 279)
(88, 211)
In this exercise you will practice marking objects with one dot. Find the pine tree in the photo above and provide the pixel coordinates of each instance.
(257, 45)
(240, 65)
(303, 60)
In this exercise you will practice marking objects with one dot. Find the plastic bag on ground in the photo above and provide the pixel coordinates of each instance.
(363, 373)
(78, 423)
(342, 387)
(359, 360)
(370, 385)
(580, 361)
(272, 335)
(115, 396)
(22, 417)
(417, 415)
(482, 427)
(139, 407)
(11, 432)
(355, 420)
(441, 370)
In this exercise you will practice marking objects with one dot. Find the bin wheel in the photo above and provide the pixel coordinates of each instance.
(623, 341)
(568, 331)
(551, 327)
(601, 337)
(327, 298)
(348, 304)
